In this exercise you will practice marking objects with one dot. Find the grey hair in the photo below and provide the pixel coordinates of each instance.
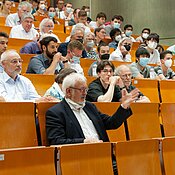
(9, 53)
(120, 68)
(25, 4)
(26, 15)
(87, 34)
(71, 80)
(43, 22)
(75, 29)
(123, 39)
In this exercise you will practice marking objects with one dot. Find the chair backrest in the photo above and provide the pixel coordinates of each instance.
(110, 109)
(62, 36)
(168, 118)
(14, 43)
(18, 127)
(59, 28)
(26, 60)
(35, 161)
(42, 108)
(41, 82)
(168, 151)
(85, 159)
(167, 91)
(138, 157)
(148, 87)
(144, 123)
(85, 64)
(2, 20)
(135, 45)
(5, 29)
(118, 63)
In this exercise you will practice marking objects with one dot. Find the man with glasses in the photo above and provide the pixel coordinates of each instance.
(74, 120)
(124, 72)
(15, 87)
(106, 88)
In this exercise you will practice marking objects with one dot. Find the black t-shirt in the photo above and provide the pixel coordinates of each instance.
(96, 89)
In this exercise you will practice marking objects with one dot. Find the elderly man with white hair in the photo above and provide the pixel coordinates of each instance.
(13, 86)
(122, 51)
(25, 29)
(74, 120)
(15, 18)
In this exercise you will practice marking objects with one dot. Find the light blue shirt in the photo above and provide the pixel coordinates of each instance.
(20, 89)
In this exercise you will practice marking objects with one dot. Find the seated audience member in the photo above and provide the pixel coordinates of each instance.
(124, 72)
(128, 31)
(52, 14)
(42, 9)
(115, 35)
(34, 47)
(5, 8)
(35, 4)
(87, 10)
(72, 59)
(89, 43)
(49, 62)
(160, 48)
(144, 35)
(100, 34)
(82, 18)
(152, 41)
(13, 86)
(172, 49)
(100, 21)
(103, 54)
(59, 6)
(74, 20)
(122, 51)
(74, 120)
(3, 46)
(55, 90)
(164, 71)
(139, 68)
(25, 29)
(67, 13)
(106, 88)
(76, 34)
(15, 18)
(116, 23)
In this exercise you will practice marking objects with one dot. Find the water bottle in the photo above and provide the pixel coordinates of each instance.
(94, 70)
(152, 73)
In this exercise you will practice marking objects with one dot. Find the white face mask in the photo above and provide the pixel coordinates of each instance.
(68, 10)
(145, 35)
(90, 44)
(118, 38)
(168, 63)
(116, 25)
(152, 44)
(42, 6)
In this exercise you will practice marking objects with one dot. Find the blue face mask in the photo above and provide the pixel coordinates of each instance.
(75, 60)
(143, 61)
(116, 25)
(128, 33)
(51, 14)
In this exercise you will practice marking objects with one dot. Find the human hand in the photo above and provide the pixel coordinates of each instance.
(57, 57)
(92, 140)
(114, 80)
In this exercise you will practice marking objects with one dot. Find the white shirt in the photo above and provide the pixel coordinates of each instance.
(19, 32)
(76, 67)
(86, 124)
(20, 89)
(117, 56)
(12, 20)
(172, 49)
(154, 57)
(93, 25)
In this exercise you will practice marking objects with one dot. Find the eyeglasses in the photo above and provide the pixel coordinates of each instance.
(49, 26)
(126, 75)
(106, 71)
(16, 61)
(80, 89)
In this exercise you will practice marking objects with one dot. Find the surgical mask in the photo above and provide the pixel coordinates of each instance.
(51, 14)
(168, 63)
(127, 47)
(145, 35)
(144, 61)
(128, 33)
(118, 38)
(152, 44)
(116, 25)
(105, 56)
(90, 44)
(68, 10)
(75, 60)
(42, 6)
(81, 40)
